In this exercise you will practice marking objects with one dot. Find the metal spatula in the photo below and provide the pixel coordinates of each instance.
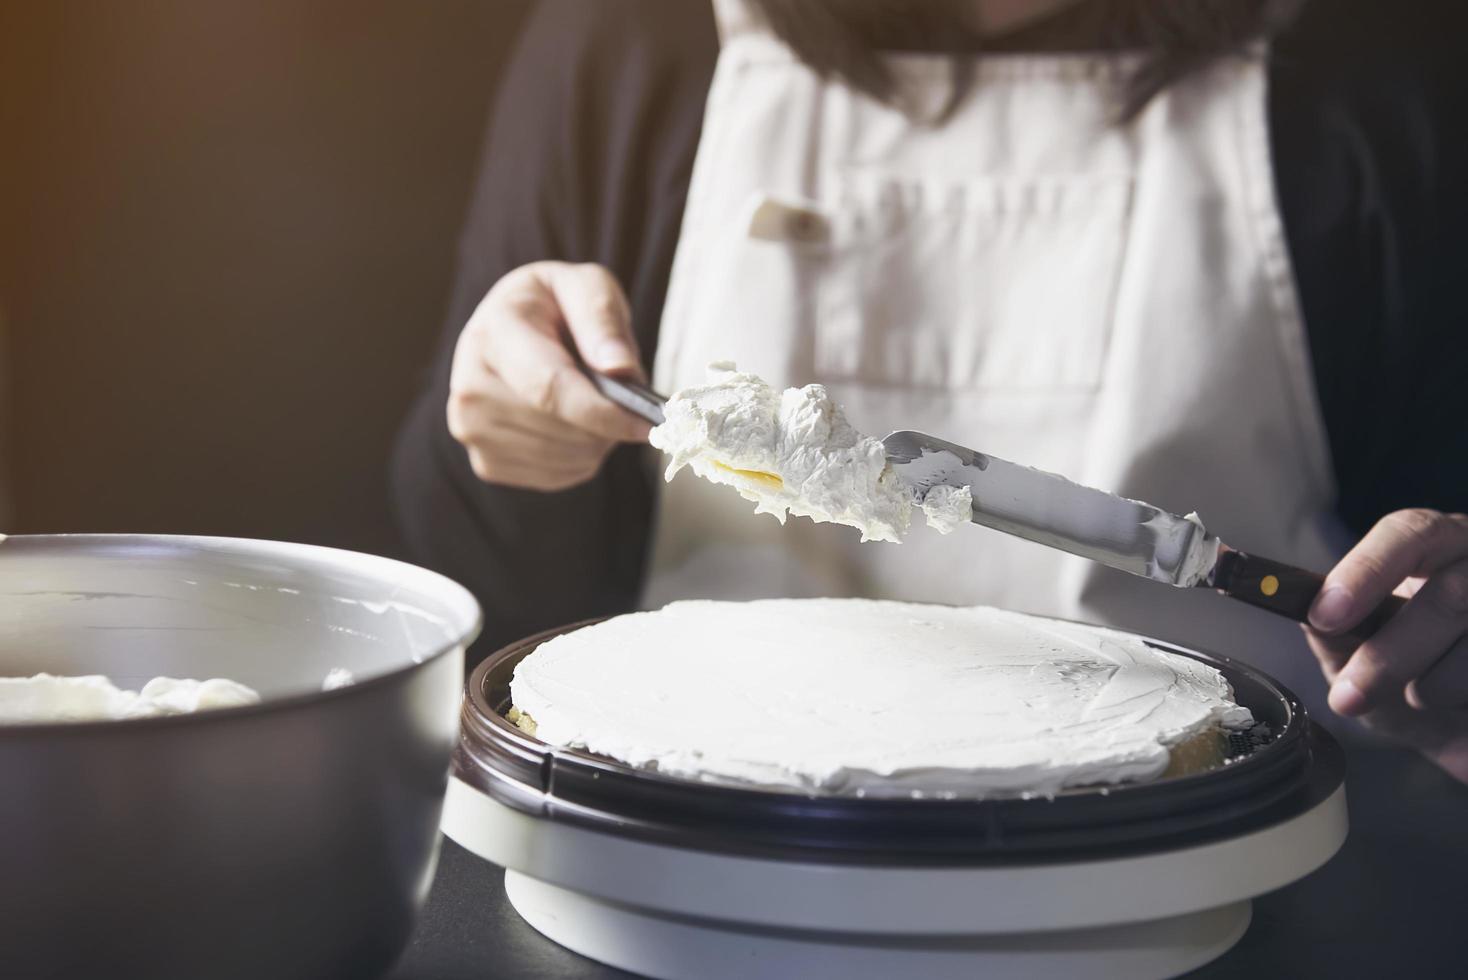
(636, 398)
(1051, 510)
(1126, 534)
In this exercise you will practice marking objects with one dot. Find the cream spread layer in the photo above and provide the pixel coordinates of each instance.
(794, 452)
(47, 698)
(853, 696)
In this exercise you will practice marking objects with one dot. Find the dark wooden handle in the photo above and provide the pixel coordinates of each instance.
(1287, 590)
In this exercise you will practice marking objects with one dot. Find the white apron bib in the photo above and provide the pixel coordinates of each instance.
(1113, 303)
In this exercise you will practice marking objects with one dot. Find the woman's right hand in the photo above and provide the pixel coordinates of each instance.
(518, 402)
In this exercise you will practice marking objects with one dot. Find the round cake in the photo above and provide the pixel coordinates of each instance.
(853, 696)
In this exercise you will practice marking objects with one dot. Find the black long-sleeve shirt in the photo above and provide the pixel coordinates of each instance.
(588, 157)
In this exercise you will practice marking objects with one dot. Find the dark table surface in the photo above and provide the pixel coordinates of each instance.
(1393, 903)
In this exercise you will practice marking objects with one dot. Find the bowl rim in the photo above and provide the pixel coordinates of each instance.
(468, 621)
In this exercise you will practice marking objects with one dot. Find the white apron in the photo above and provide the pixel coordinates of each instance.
(1113, 303)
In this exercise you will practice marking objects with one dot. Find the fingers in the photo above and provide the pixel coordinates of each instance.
(596, 316)
(489, 410)
(503, 450)
(542, 375)
(519, 338)
(1332, 652)
(1401, 544)
(518, 399)
(510, 445)
(1445, 685)
(1408, 646)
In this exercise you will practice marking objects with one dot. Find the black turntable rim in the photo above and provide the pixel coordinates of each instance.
(1299, 767)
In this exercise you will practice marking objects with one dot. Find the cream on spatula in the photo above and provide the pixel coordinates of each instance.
(795, 452)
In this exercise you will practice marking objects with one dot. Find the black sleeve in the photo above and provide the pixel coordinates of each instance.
(587, 159)
(1368, 109)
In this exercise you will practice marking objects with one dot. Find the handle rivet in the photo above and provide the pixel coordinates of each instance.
(1269, 585)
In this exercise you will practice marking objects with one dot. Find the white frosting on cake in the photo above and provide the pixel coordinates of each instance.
(875, 698)
(793, 452)
(47, 698)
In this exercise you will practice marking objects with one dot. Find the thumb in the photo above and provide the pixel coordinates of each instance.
(597, 317)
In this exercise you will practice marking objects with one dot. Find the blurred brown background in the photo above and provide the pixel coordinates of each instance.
(226, 237)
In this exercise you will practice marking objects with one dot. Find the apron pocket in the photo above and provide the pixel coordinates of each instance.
(991, 282)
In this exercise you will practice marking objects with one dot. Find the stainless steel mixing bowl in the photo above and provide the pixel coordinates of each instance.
(294, 838)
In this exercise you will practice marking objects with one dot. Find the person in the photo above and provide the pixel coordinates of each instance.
(1203, 255)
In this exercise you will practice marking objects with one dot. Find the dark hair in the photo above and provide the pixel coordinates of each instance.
(846, 38)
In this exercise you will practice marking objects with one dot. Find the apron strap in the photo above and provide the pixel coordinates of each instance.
(737, 17)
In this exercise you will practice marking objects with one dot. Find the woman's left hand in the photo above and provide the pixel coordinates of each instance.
(1409, 680)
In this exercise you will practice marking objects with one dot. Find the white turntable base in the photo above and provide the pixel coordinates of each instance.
(674, 949)
(674, 913)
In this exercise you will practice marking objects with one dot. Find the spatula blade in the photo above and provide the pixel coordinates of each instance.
(1051, 510)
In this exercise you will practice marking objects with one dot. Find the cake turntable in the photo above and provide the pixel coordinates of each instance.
(674, 878)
